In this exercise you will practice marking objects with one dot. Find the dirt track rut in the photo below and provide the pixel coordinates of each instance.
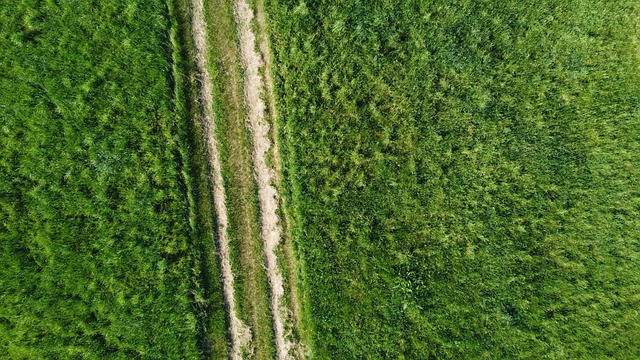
(240, 334)
(271, 231)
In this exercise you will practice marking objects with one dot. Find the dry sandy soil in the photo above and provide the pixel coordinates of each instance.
(271, 231)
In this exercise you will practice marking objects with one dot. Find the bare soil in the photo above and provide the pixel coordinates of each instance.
(301, 351)
(271, 230)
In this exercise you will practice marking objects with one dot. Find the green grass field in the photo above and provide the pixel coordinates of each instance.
(104, 249)
(464, 175)
(461, 180)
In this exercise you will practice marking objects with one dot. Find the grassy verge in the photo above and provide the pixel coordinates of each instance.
(104, 244)
(235, 150)
(463, 175)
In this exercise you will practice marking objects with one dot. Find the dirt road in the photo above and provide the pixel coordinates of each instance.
(240, 334)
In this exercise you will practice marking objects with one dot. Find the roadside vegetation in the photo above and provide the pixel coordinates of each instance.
(462, 176)
(107, 248)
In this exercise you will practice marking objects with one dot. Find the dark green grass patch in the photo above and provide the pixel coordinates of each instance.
(464, 175)
(101, 247)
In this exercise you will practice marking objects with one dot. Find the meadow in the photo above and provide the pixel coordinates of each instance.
(106, 229)
(462, 176)
(460, 179)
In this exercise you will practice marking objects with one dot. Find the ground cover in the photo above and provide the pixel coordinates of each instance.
(105, 217)
(462, 177)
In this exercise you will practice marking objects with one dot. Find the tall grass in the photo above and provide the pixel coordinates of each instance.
(103, 250)
(463, 175)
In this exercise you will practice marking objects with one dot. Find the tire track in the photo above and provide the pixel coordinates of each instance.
(301, 351)
(271, 231)
(240, 334)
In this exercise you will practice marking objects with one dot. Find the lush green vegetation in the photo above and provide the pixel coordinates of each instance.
(464, 175)
(105, 227)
